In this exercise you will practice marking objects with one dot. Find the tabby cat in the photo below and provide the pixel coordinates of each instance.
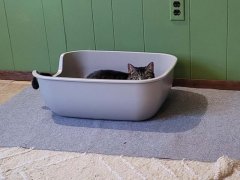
(134, 73)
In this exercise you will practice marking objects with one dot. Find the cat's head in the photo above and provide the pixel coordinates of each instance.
(140, 73)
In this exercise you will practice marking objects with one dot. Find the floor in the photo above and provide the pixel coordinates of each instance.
(10, 88)
(20, 163)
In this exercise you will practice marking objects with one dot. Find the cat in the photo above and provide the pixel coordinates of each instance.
(141, 73)
(108, 74)
(134, 73)
(35, 84)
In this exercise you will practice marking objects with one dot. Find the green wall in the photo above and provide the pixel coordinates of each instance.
(33, 33)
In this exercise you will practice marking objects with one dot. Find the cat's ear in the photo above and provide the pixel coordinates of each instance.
(131, 68)
(150, 67)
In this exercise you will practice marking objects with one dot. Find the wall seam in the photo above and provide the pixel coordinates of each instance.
(10, 40)
(45, 28)
(114, 41)
(190, 41)
(64, 28)
(227, 40)
(93, 26)
(144, 45)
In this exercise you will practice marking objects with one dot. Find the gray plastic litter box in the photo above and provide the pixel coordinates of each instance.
(69, 93)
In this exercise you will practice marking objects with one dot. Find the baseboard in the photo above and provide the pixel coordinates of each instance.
(211, 84)
(16, 75)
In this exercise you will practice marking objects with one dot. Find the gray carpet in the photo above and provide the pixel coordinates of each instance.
(195, 124)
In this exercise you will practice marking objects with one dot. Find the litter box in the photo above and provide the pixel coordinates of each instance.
(69, 93)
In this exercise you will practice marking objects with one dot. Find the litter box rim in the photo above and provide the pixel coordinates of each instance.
(85, 80)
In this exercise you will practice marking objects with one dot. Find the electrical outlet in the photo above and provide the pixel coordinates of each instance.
(177, 10)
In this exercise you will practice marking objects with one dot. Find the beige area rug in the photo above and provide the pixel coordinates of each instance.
(18, 163)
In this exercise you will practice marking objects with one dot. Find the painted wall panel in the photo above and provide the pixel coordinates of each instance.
(78, 22)
(163, 35)
(55, 31)
(208, 30)
(128, 25)
(233, 63)
(28, 37)
(103, 24)
(6, 61)
(33, 33)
